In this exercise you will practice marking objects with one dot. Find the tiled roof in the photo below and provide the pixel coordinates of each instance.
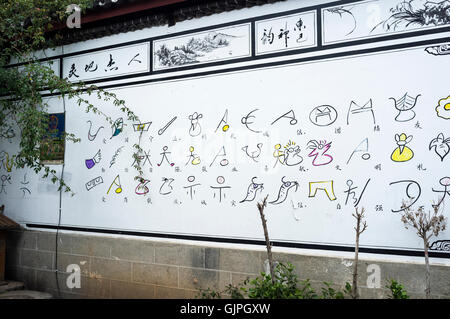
(5, 222)
(155, 17)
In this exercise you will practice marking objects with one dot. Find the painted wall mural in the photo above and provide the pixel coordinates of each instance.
(319, 138)
(374, 18)
(209, 46)
(107, 63)
(286, 33)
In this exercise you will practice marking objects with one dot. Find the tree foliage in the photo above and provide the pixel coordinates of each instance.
(24, 30)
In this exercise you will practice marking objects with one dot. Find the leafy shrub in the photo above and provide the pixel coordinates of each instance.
(285, 286)
(397, 290)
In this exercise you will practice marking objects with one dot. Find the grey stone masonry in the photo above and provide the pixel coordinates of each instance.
(123, 267)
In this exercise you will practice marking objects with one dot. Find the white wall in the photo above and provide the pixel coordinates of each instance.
(273, 89)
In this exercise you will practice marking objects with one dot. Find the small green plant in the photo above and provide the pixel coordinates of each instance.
(306, 291)
(284, 285)
(330, 293)
(397, 290)
(209, 294)
(236, 292)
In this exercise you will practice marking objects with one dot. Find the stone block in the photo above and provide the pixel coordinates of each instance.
(111, 269)
(212, 258)
(130, 290)
(47, 241)
(239, 260)
(133, 250)
(180, 255)
(46, 281)
(196, 278)
(96, 287)
(22, 239)
(94, 246)
(162, 292)
(36, 259)
(440, 280)
(155, 274)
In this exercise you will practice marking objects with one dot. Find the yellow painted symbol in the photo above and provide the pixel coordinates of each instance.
(116, 182)
(402, 153)
(326, 186)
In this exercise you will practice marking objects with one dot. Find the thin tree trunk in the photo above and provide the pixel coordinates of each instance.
(427, 274)
(355, 266)
(266, 236)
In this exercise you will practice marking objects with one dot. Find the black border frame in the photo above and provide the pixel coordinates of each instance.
(370, 250)
(318, 48)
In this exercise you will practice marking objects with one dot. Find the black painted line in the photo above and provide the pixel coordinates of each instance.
(319, 30)
(318, 8)
(252, 39)
(274, 63)
(380, 251)
(253, 57)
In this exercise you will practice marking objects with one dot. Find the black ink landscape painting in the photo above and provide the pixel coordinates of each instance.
(208, 46)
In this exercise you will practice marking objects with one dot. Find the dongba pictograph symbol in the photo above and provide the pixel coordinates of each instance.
(191, 187)
(166, 187)
(252, 190)
(5, 179)
(142, 127)
(445, 182)
(288, 115)
(319, 152)
(91, 136)
(323, 115)
(326, 186)
(142, 188)
(94, 160)
(164, 156)
(283, 192)
(441, 146)
(362, 147)
(224, 123)
(164, 128)
(117, 127)
(194, 159)
(443, 108)
(220, 187)
(413, 196)
(247, 120)
(254, 154)
(351, 192)
(94, 182)
(404, 106)
(402, 153)
(290, 156)
(195, 128)
(116, 182)
(355, 110)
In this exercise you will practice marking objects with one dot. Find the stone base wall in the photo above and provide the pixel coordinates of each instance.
(120, 267)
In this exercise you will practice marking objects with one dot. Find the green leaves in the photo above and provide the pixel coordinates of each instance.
(23, 28)
(287, 286)
(397, 290)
